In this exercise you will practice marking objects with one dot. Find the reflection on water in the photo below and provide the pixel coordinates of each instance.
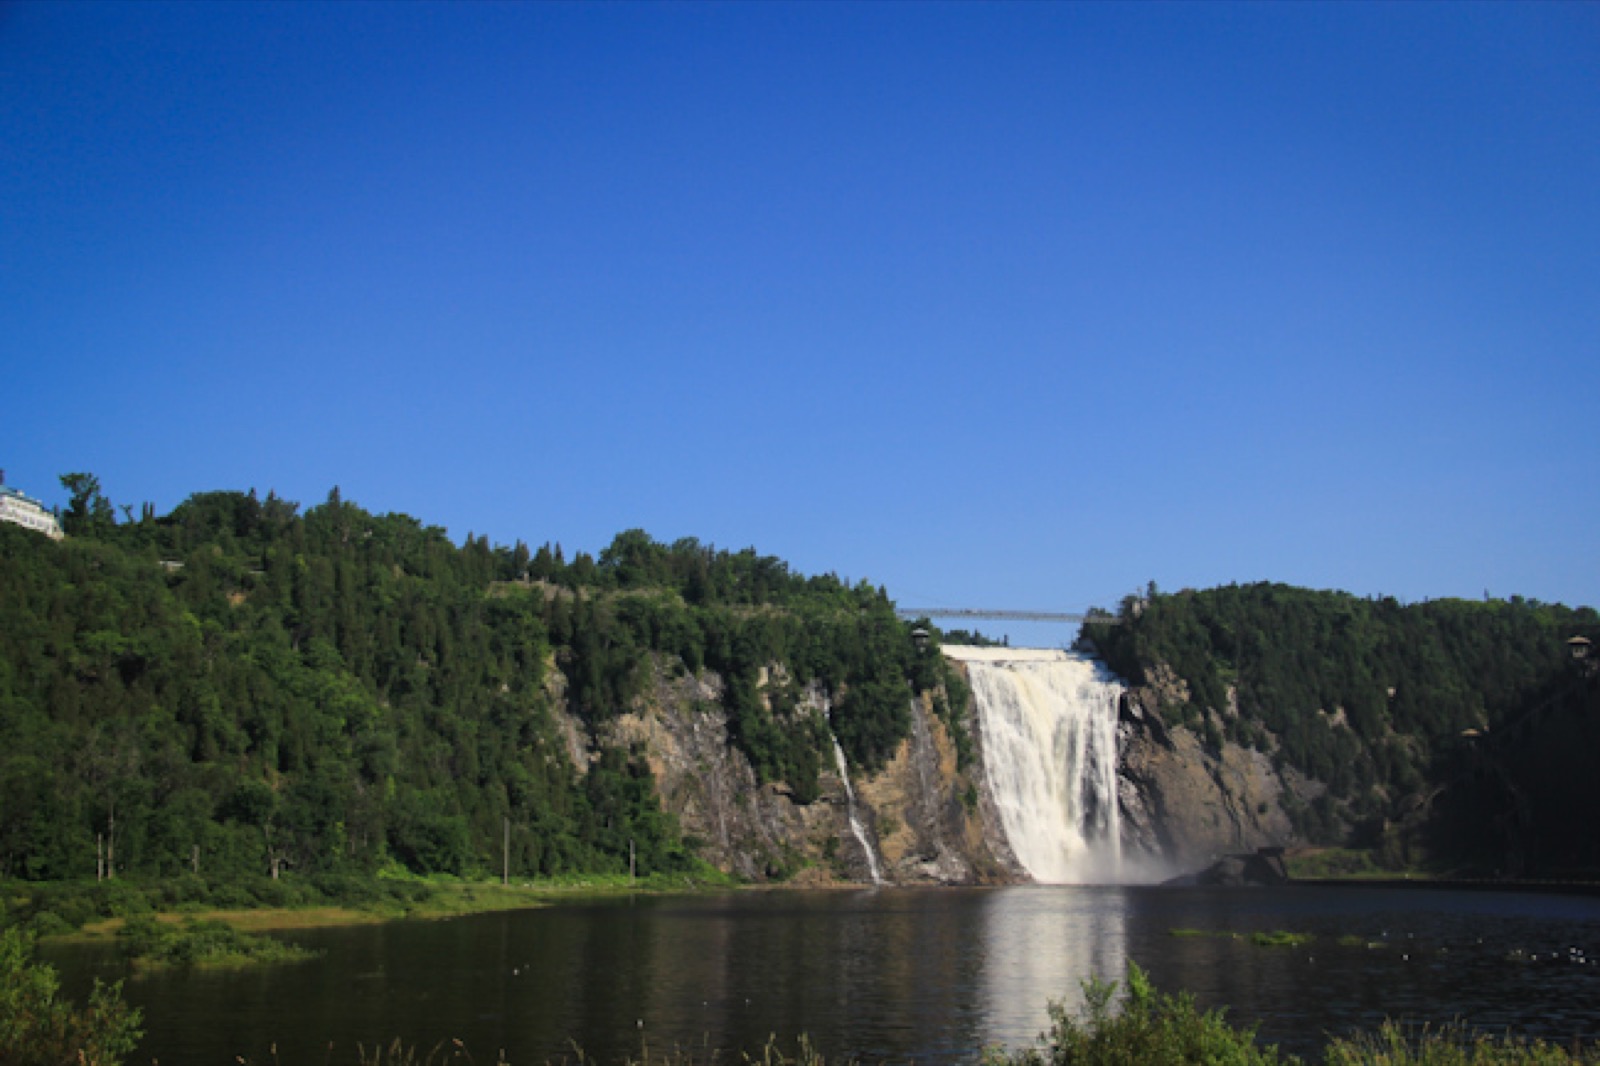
(1041, 944)
(895, 974)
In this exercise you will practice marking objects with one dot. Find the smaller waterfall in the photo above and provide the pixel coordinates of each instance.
(855, 821)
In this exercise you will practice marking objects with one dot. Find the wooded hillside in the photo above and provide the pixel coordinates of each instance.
(242, 687)
(1369, 696)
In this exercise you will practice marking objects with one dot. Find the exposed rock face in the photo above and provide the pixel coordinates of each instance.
(928, 818)
(1190, 805)
(912, 812)
(748, 829)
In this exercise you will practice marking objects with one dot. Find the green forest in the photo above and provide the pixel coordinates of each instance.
(1370, 696)
(242, 688)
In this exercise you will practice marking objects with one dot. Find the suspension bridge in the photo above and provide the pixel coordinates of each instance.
(995, 614)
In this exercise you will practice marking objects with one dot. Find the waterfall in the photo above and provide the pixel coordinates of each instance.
(1049, 729)
(855, 821)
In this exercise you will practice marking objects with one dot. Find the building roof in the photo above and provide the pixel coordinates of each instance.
(23, 496)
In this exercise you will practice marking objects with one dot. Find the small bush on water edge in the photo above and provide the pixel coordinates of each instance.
(148, 943)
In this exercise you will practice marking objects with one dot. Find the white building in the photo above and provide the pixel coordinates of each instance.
(27, 511)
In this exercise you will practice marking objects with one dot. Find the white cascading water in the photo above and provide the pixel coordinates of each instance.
(855, 822)
(1049, 726)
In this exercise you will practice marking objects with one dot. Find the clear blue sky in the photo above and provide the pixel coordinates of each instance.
(1005, 305)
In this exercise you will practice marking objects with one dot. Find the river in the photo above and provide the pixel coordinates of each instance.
(924, 975)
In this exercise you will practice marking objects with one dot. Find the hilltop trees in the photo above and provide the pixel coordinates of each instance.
(88, 512)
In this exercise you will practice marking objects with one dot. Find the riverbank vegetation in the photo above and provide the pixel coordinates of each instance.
(1275, 938)
(98, 910)
(1332, 864)
(209, 944)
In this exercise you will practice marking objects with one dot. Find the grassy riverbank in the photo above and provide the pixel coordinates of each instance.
(98, 910)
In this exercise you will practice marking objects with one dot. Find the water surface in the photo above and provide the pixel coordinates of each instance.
(925, 975)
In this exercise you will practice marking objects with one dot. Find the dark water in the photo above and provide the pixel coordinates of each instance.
(928, 975)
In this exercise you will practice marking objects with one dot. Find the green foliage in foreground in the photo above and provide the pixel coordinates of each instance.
(1150, 1028)
(1455, 1045)
(151, 943)
(1165, 1033)
(37, 1029)
(454, 1051)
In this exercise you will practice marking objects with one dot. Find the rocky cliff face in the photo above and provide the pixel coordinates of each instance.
(918, 814)
(929, 813)
(926, 819)
(1186, 804)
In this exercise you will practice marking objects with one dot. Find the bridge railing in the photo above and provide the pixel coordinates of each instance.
(1094, 617)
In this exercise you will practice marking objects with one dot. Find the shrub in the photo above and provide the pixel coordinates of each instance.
(149, 942)
(230, 896)
(120, 899)
(270, 892)
(47, 923)
(36, 1029)
(1151, 1029)
(172, 892)
(349, 890)
(70, 903)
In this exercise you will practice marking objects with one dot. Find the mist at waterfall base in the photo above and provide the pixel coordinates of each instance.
(1047, 722)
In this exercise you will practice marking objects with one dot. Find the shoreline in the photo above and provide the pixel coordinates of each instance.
(455, 900)
(1548, 888)
(448, 901)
